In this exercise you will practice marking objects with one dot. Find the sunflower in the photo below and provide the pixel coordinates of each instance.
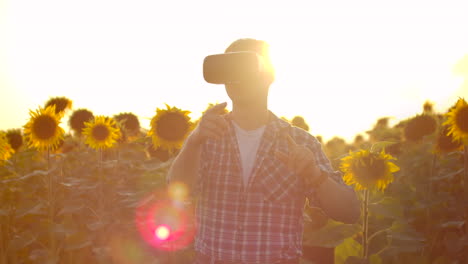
(382, 122)
(211, 105)
(101, 133)
(445, 142)
(358, 140)
(420, 126)
(319, 139)
(5, 149)
(457, 120)
(169, 128)
(299, 121)
(61, 104)
(428, 107)
(78, 118)
(15, 138)
(129, 124)
(368, 170)
(43, 130)
(395, 149)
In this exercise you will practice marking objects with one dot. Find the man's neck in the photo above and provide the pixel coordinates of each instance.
(250, 117)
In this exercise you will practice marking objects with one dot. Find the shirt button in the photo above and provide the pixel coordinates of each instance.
(240, 228)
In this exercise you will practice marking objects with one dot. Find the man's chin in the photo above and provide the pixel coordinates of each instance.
(244, 103)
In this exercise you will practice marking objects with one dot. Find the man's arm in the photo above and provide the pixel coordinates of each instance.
(338, 201)
(186, 165)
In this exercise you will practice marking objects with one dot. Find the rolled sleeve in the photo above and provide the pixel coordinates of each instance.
(325, 167)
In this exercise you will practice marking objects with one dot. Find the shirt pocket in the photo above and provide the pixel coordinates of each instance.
(278, 183)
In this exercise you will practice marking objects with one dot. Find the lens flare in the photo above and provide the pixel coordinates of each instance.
(165, 224)
(162, 232)
(178, 191)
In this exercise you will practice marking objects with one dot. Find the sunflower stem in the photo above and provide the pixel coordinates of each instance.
(429, 197)
(465, 185)
(365, 229)
(6, 233)
(100, 179)
(52, 250)
(429, 191)
(3, 255)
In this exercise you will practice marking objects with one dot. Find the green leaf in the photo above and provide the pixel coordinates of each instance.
(349, 247)
(388, 207)
(404, 238)
(331, 235)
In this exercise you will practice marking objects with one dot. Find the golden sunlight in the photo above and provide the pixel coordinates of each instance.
(116, 165)
(339, 66)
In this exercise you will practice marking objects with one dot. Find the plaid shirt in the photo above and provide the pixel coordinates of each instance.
(261, 222)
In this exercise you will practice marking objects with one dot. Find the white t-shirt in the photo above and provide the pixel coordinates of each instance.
(248, 142)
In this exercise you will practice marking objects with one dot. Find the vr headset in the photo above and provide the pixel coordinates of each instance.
(234, 67)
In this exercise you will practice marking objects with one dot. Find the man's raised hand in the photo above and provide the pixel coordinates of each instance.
(211, 125)
(299, 159)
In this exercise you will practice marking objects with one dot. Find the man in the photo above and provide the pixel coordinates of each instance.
(252, 172)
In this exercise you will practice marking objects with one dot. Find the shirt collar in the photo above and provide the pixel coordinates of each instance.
(274, 126)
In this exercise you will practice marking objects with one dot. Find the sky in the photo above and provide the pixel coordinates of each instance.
(339, 64)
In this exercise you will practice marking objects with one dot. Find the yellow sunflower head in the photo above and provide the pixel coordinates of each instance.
(368, 170)
(5, 149)
(62, 104)
(457, 120)
(43, 130)
(15, 138)
(169, 128)
(101, 133)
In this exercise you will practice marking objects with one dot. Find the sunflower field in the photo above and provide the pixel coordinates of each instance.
(98, 193)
